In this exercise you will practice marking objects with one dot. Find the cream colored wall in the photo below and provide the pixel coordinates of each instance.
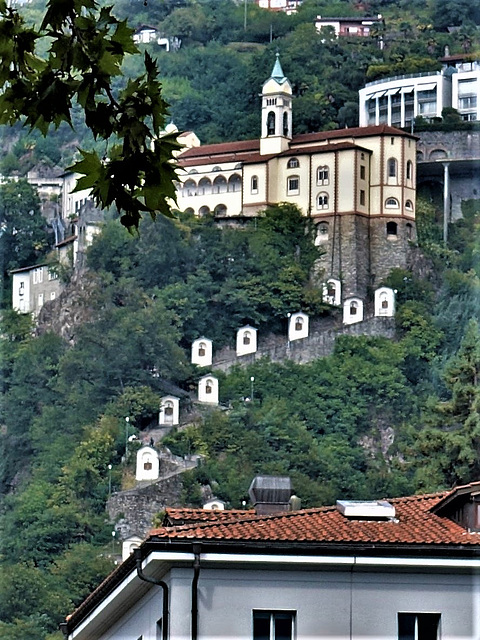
(323, 160)
(231, 199)
(346, 173)
(250, 170)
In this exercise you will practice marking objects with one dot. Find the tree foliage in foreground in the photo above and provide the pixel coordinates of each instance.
(87, 48)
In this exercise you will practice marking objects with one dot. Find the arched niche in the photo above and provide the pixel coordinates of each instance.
(298, 326)
(169, 411)
(148, 466)
(352, 310)
(385, 302)
(208, 390)
(332, 291)
(202, 351)
(246, 340)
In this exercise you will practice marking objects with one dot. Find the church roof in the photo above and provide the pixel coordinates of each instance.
(249, 150)
(277, 71)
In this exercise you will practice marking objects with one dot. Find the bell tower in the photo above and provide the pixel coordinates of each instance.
(276, 112)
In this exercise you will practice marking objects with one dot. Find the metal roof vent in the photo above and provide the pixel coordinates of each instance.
(369, 510)
(270, 494)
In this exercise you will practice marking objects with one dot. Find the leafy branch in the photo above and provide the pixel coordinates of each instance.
(87, 48)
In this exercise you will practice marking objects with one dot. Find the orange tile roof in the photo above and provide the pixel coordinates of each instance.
(180, 516)
(249, 150)
(414, 524)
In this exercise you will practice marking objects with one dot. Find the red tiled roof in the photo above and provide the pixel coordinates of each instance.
(249, 150)
(414, 524)
(182, 516)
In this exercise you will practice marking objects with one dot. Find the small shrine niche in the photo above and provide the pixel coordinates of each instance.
(214, 505)
(202, 352)
(246, 340)
(332, 292)
(298, 326)
(148, 465)
(169, 411)
(385, 302)
(352, 310)
(208, 390)
(129, 544)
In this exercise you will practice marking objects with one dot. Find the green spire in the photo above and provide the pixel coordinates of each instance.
(277, 71)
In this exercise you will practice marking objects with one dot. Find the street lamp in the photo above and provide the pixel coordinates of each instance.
(109, 480)
(252, 380)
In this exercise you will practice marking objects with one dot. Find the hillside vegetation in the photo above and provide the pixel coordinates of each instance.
(377, 418)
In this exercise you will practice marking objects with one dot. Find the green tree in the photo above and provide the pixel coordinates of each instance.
(86, 49)
(449, 447)
(23, 229)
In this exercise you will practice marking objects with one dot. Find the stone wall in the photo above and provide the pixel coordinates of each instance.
(132, 511)
(319, 344)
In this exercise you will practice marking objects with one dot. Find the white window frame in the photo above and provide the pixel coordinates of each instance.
(391, 203)
(323, 175)
(293, 191)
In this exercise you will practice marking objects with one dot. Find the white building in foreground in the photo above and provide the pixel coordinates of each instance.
(406, 569)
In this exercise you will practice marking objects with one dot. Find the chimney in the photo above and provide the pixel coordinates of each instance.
(270, 494)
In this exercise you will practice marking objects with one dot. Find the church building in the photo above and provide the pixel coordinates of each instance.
(357, 185)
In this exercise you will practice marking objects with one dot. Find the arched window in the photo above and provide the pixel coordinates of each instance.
(331, 289)
(254, 184)
(168, 409)
(353, 308)
(293, 186)
(322, 201)
(193, 171)
(234, 182)
(220, 185)
(409, 231)
(285, 124)
(298, 324)
(190, 186)
(204, 211)
(322, 233)
(391, 203)
(209, 386)
(202, 349)
(384, 301)
(238, 166)
(392, 168)
(322, 175)
(271, 124)
(220, 210)
(217, 168)
(246, 337)
(293, 163)
(409, 205)
(409, 172)
(205, 186)
(391, 228)
(189, 211)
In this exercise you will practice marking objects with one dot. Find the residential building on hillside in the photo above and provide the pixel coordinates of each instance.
(33, 286)
(288, 6)
(350, 27)
(398, 100)
(403, 569)
(357, 186)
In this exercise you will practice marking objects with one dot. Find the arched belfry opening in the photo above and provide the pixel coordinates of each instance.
(276, 112)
